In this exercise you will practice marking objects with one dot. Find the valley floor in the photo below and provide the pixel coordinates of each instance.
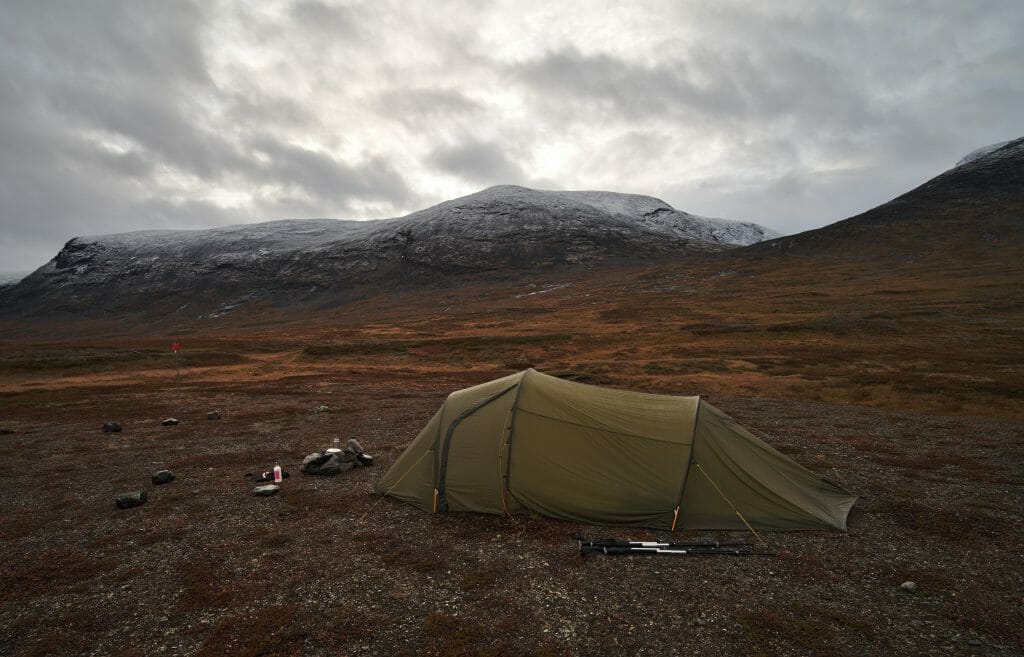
(328, 568)
(904, 388)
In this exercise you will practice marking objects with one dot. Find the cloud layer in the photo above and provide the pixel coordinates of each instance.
(119, 115)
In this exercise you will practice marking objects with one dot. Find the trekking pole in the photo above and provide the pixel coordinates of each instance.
(613, 542)
(614, 546)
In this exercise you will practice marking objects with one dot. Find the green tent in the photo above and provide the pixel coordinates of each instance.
(530, 442)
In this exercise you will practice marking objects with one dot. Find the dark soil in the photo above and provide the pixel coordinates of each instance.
(328, 568)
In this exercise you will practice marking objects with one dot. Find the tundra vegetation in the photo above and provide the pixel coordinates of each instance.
(904, 387)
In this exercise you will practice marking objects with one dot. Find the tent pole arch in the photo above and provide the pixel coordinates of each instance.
(441, 503)
(686, 469)
(506, 431)
(506, 492)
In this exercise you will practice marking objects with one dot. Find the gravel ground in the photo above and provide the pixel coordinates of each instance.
(327, 568)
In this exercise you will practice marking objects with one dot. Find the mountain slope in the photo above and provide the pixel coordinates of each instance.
(973, 211)
(503, 229)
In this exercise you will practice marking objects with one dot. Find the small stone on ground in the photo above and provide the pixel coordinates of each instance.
(110, 426)
(163, 477)
(169, 422)
(129, 500)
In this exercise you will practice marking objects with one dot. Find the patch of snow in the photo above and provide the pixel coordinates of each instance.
(549, 288)
(657, 215)
(981, 152)
(622, 204)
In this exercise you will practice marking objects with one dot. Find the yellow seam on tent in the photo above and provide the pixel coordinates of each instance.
(752, 531)
(689, 460)
(501, 471)
(611, 431)
(506, 492)
(442, 472)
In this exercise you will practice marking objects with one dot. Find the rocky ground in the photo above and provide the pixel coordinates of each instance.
(325, 567)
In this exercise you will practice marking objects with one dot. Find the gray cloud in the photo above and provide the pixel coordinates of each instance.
(485, 163)
(313, 15)
(610, 84)
(324, 177)
(437, 111)
(125, 116)
(728, 90)
(154, 125)
(110, 43)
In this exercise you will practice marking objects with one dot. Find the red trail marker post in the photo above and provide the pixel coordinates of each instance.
(175, 347)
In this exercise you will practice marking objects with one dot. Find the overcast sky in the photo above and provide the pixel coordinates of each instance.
(131, 115)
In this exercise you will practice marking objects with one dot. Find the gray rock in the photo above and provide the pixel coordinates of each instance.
(163, 477)
(169, 422)
(356, 454)
(129, 500)
(111, 427)
(909, 587)
(266, 491)
(313, 460)
(325, 464)
(328, 468)
(974, 642)
(213, 415)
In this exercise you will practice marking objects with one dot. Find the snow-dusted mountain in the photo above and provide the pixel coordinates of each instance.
(505, 229)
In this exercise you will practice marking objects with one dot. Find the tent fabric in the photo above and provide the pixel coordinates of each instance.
(530, 442)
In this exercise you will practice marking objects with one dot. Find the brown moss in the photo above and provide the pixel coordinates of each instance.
(277, 630)
(204, 584)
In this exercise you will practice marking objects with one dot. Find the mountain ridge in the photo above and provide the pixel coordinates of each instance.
(499, 229)
(971, 215)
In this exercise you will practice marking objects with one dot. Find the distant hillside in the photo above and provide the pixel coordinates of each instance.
(973, 211)
(8, 278)
(503, 230)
